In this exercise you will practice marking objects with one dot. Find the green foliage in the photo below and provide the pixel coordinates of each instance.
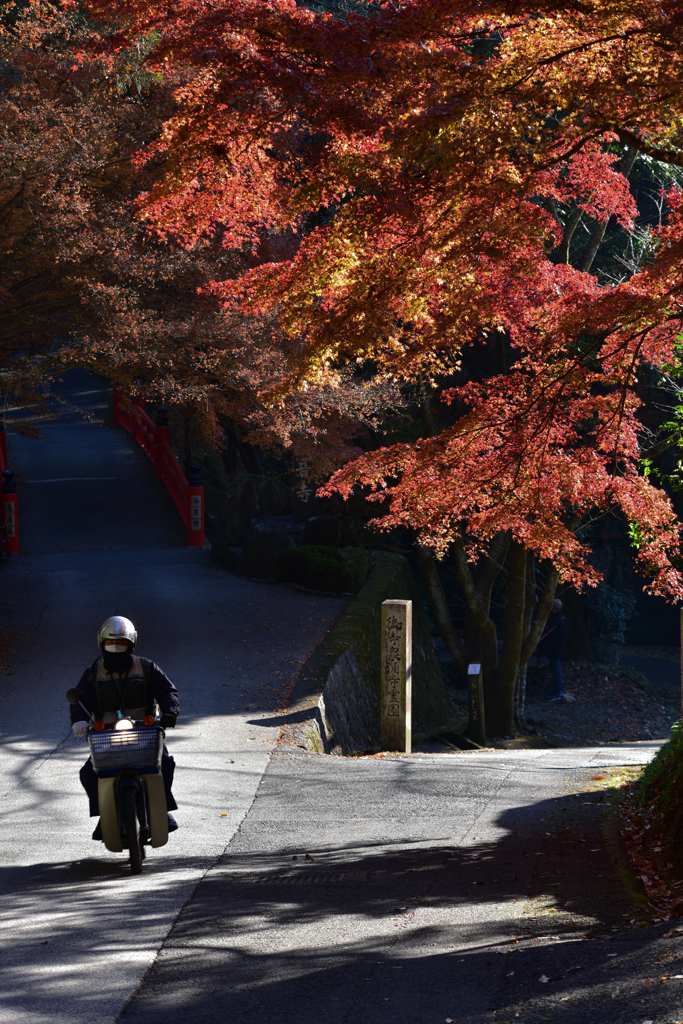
(659, 791)
(130, 74)
(316, 566)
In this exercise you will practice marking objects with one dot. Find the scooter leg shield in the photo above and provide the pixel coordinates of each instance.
(109, 815)
(156, 809)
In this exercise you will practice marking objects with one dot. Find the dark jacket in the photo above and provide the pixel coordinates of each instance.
(554, 639)
(161, 689)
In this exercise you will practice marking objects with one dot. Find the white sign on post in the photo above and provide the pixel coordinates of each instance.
(195, 511)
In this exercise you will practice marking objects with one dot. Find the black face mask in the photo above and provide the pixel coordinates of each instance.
(118, 663)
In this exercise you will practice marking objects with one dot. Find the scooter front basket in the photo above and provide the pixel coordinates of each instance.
(133, 750)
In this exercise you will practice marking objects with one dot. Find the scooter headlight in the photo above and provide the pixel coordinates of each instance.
(123, 723)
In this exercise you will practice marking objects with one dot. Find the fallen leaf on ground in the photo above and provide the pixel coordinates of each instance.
(572, 903)
(543, 979)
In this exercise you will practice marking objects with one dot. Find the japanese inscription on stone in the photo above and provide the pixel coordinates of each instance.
(396, 675)
(303, 489)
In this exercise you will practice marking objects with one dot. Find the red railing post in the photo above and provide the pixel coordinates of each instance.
(155, 441)
(8, 493)
(195, 507)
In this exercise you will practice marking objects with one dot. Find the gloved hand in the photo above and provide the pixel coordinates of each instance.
(80, 728)
(167, 721)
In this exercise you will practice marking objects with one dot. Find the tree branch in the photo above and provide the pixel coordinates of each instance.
(544, 605)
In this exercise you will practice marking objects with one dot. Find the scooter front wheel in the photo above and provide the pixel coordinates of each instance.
(133, 838)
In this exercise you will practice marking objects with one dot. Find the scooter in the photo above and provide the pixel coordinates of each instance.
(126, 757)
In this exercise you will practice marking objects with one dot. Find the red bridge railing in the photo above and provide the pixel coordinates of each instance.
(155, 441)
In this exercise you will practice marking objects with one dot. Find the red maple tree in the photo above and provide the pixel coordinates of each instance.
(431, 161)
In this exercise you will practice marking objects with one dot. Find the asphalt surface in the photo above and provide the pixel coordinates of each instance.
(77, 933)
(435, 887)
(418, 889)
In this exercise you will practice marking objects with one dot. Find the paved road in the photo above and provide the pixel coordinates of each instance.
(416, 889)
(300, 887)
(76, 932)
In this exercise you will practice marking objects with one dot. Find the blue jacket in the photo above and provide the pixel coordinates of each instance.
(162, 689)
(554, 640)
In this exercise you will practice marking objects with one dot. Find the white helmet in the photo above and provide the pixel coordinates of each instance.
(116, 627)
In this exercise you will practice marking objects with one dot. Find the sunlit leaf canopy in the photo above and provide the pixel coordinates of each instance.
(423, 162)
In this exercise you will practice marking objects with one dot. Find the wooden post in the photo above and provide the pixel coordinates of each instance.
(195, 509)
(477, 725)
(397, 681)
(9, 512)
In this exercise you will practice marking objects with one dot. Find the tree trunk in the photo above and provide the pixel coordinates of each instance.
(481, 641)
(442, 613)
(600, 227)
(247, 452)
(426, 404)
(569, 229)
(520, 699)
(500, 710)
(529, 605)
(542, 613)
(503, 697)
(595, 238)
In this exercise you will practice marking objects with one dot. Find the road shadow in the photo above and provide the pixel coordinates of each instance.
(386, 931)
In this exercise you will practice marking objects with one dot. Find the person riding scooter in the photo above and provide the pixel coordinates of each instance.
(119, 681)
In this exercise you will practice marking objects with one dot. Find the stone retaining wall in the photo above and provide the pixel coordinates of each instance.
(335, 706)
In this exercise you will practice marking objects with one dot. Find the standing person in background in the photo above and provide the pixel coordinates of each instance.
(552, 646)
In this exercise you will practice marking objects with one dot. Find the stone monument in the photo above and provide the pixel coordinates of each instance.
(397, 658)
